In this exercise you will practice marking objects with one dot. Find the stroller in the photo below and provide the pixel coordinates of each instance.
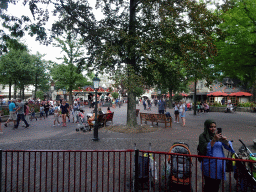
(147, 172)
(245, 173)
(82, 122)
(179, 168)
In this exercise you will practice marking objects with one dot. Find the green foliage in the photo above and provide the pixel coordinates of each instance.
(246, 104)
(236, 45)
(115, 95)
(216, 104)
(138, 91)
(177, 97)
(5, 111)
(40, 95)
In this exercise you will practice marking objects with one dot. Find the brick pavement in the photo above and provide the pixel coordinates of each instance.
(42, 135)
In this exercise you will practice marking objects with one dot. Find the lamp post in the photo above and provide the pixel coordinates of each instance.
(96, 82)
(159, 93)
(64, 93)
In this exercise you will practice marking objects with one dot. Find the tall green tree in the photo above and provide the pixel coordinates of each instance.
(68, 75)
(236, 44)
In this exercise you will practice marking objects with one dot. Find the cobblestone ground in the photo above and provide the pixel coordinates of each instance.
(41, 135)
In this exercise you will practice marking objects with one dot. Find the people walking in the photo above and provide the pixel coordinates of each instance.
(182, 113)
(20, 115)
(176, 112)
(64, 112)
(144, 104)
(161, 106)
(56, 117)
(41, 111)
(32, 113)
(46, 108)
(12, 114)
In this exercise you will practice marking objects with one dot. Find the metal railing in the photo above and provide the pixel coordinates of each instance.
(118, 170)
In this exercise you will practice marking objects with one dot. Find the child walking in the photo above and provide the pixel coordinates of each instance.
(56, 117)
(42, 111)
(32, 113)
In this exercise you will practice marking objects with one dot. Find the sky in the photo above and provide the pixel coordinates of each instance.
(34, 46)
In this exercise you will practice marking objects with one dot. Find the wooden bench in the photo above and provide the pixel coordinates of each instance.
(158, 118)
(109, 117)
(103, 119)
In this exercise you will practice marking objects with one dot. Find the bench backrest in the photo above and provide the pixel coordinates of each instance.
(101, 117)
(153, 116)
(109, 116)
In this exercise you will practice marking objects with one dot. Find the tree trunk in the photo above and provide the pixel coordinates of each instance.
(170, 98)
(15, 90)
(195, 97)
(70, 97)
(23, 93)
(131, 106)
(10, 89)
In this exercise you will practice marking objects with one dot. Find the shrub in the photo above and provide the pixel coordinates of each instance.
(5, 111)
(216, 104)
(246, 104)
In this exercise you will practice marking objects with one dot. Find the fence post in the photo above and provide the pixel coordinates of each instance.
(136, 177)
(1, 161)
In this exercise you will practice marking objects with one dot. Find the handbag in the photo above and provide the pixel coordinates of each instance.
(229, 166)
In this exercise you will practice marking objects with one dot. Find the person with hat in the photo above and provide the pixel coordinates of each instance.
(12, 114)
(20, 115)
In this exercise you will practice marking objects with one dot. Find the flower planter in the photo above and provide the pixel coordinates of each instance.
(217, 109)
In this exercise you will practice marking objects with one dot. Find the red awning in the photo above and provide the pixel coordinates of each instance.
(217, 94)
(184, 94)
(240, 94)
(101, 90)
(89, 89)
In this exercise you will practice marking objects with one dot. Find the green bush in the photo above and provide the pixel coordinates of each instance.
(5, 111)
(216, 104)
(246, 104)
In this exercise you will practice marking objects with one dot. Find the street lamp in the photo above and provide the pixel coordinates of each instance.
(159, 93)
(64, 92)
(96, 82)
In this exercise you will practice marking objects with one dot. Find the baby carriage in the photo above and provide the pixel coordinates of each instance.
(147, 172)
(82, 122)
(179, 168)
(244, 172)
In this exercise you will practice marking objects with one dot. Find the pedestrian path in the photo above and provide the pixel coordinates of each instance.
(42, 135)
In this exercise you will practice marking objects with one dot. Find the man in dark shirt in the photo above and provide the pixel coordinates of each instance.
(46, 108)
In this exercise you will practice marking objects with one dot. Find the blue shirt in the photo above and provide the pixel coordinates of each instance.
(215, 151)
(161, 105)
(11, 107)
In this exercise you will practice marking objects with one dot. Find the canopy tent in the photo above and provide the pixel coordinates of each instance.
(240, 94)
(217, 94)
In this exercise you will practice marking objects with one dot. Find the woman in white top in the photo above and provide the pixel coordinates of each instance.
(182, 113)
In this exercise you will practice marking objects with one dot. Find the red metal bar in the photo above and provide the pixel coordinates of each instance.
(63, 176)
(119, 174)
(125, 171)
(57, 176)
(68, 171)
(102, 184)
(52, 172)
(131, 171)
(196, 174)
(11, 168)
(29, 171)
(46, 170)
(85, 171)
(23, 171)
(40, 177)
(17, 182)
(75, 171)
(97, 172)
(114, 165)
(80, 173)
(108, 173)
(5, 182)
(35, 173)
(91, 169)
